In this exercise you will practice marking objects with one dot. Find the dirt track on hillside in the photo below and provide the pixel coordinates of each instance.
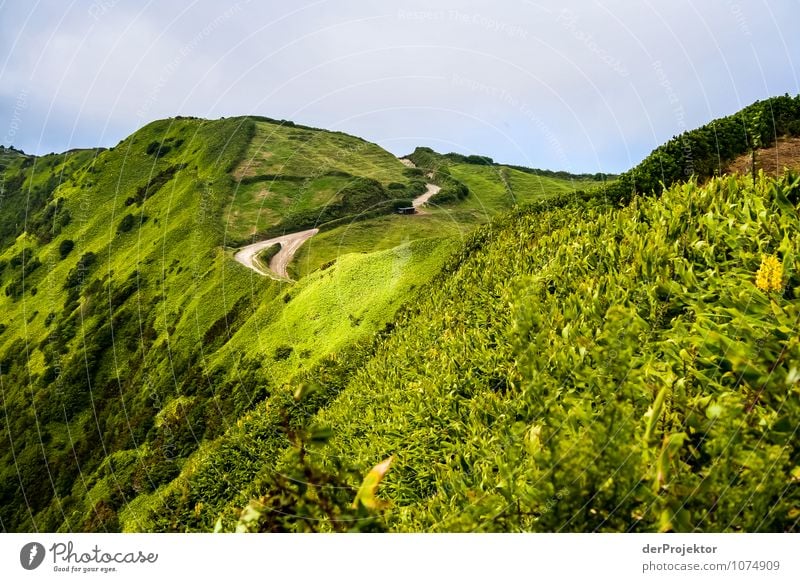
(420, 201)
(279, 263)
(291, 242)
(431, 189)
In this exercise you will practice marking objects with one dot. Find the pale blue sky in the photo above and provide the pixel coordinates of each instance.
(581, 86)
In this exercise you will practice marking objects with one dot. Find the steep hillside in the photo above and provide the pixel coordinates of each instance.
(27, 184)
(123, 342)
(576, 367)
(292, 178)
(98, 323)
(586, 368)
(535, 351)
(709, 150)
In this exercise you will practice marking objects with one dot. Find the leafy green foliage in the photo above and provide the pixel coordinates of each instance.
(309, 497)
(705, 151)
(586, 368)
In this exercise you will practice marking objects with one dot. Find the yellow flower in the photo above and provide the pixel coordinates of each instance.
(770, 274)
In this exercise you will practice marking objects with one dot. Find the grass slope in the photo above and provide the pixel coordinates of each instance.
(496, 189)
(576, 367)
(27, 184)
(587, 368)
(295, 177)
(122, 346)
(320, 317)
(492, 190)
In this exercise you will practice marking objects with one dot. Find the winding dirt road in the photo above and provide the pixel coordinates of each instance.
(277, 264)
(431, 189)
(291, 242)
(420, 201)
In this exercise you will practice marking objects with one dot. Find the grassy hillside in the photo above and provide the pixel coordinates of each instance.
(98, 327)
(293, 178)
(498, 189)
(577, 367)
(487, 191)
(287, 149)
(586, 368)
(129, 336)
(538, 351)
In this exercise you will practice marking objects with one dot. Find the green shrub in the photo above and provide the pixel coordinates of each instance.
(283, 352)
(77, 275)
(452, 191)
(65, 248)
(126, 224)
(154, 184)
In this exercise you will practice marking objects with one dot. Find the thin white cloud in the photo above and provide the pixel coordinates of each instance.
(567, 84)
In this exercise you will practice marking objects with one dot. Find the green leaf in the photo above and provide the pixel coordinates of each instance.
(366, 493)
(714, 411)
(655, 414)
(533, 439)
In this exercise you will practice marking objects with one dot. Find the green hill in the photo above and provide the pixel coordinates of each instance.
(708, 150)
(294, 177)
(576, 367)
(123, 308)
(536, 351)
(130, 338)
(472, 194)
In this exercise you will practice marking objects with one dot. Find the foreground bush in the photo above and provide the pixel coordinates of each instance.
(587, 368)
